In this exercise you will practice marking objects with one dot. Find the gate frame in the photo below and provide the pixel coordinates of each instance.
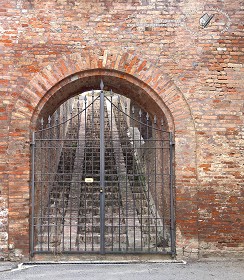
(102, 181)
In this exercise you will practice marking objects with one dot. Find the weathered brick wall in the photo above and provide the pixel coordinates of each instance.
(195, 75)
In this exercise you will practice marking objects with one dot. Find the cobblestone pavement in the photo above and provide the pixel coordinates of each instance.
(233, 270)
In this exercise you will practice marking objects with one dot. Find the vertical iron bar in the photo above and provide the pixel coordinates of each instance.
(134, 186)
(85, 164)
(92, 167)
(42, 212)
(77, 176)
(63, 198)
(68, 176)
(155, 136)
(32, 193)
(163, 174)
(55, 178)
(120, 195)
(148, 188)
(62, 157)
(102, 169)
(126, 182)
(49, 179)
(141, 174)
(172, 218)
(111, 162)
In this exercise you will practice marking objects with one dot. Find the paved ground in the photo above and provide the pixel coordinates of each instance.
(233, 270)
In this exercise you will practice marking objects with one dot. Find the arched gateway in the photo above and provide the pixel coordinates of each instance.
(102, 178)
(103, 167)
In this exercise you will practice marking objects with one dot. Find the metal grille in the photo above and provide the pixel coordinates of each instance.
(102, 179)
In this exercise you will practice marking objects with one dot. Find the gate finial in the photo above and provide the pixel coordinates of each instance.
(101, 85)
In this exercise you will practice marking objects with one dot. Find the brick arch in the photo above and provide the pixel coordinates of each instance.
(56, 75)
(156, 86)
(119, 82)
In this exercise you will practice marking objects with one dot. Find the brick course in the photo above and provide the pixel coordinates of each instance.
(51, 49)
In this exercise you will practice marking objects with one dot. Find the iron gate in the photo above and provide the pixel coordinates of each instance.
(102, 179)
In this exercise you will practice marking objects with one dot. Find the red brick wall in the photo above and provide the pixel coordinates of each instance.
(160, 57)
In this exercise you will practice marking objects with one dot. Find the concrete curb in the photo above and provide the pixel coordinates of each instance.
(104, 262)
(11, 266)
(7, 266)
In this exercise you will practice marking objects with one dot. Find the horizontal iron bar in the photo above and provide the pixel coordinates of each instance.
(106, 252)
(92, 139)
(95, 174)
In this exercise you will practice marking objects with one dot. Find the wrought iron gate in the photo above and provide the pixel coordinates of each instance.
(102, 179)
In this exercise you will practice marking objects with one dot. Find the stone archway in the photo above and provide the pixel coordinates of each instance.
(42, 94)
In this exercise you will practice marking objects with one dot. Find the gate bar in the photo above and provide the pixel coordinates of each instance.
(172, 216)
(102, 169)
(32, 194)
